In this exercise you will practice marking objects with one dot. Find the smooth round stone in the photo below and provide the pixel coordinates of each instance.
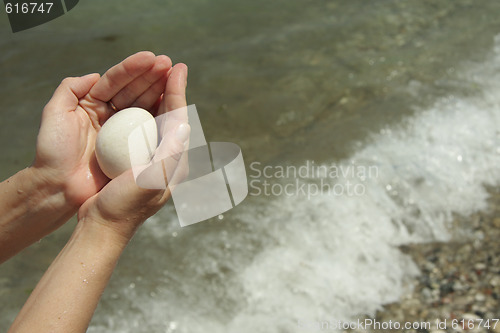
(129, 132)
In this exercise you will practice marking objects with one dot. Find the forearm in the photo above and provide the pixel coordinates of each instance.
(65, 298)
(31, 208)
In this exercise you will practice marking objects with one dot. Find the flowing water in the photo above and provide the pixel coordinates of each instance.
(397, 99)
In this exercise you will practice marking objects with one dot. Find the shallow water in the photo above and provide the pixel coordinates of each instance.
(408, 87)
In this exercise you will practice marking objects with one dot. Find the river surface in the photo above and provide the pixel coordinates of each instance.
(390, 108)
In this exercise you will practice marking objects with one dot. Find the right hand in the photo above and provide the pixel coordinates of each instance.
(122, 205)
(65, 156)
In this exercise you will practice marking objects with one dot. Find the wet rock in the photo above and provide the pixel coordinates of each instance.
(480, 297)
(460, 279)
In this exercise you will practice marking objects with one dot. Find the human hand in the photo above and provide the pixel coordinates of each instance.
(70, 121)
(122, 205)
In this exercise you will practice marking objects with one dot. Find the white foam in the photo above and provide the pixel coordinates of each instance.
(337, 257)
(330, 257)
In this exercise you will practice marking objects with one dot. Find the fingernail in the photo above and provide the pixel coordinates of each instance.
(182, 133)
(185, 75)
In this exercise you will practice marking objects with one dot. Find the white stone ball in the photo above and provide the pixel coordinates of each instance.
(131, 130)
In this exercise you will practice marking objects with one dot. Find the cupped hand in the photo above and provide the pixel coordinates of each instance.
(71, 120)
(122, 205)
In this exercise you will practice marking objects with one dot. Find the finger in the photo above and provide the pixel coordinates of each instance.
(71, 89)
(156, 106)
(143, 84)
(159, 102)
(173, 143)
(161, 171)
(119, 76)
(180, 173)
(175, 91)
(149, 99)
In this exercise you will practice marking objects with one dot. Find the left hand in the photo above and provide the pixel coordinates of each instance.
(71, 120)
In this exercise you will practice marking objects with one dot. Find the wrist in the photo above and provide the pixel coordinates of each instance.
(99, 235)
(48, 187)
(31, 208)
(114, 231)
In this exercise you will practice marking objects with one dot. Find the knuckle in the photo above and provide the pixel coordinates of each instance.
(67, 81)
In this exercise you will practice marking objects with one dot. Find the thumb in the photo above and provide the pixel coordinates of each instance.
(169, 158)
(173, 143)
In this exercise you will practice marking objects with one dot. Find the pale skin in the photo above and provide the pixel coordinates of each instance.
(65, 179)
